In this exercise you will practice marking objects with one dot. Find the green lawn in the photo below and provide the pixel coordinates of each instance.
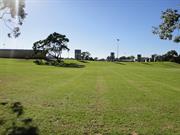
(101, 98)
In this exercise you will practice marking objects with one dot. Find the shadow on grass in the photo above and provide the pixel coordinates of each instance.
(83, 61)
(17, 108)
(2, 122)
(71, 65)
(146, 63)
(59, 64)
(19, 125)
(120, 63)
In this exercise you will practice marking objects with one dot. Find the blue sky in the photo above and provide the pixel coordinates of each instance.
(94, 25)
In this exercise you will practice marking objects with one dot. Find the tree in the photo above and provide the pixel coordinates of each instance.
(159, 58)
(177, 59)
(122, 58)
(85, 55)
(91, 59)
(108, 58)
(171, 56)
(12, 13)
(96, 58)
(169, 28)
(52, 46)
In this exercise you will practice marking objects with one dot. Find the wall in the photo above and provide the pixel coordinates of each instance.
(17, 53)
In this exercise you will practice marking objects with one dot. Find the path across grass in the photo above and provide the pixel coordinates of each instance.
(101, 98)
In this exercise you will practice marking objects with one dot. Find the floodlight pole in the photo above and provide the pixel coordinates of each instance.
(68, 54)
(118, 48)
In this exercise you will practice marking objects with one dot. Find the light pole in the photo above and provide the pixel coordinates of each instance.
(68, 54)
(117, 48)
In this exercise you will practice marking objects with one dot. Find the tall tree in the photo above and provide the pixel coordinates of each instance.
(12, 13)
(170, 26)
(53, 45)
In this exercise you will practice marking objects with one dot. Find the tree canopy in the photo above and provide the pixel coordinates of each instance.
(170, 26)
(171, 55)
(52, 46)
(85, 55)
(12, 13)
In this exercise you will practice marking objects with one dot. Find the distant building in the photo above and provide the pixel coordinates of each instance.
(112, 56)
(145, 59)
(139, 57)
(19, 53)
(126, 59)
(153, 57)
(77, 54)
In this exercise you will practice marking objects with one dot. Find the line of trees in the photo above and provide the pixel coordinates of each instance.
(171, 56)
(122, 58)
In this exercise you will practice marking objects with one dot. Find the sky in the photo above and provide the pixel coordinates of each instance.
(94, 26)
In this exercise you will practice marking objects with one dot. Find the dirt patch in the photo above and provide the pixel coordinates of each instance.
(100, 89)
(167, 127)
(134, 133)
(96, 125)
(100, 85)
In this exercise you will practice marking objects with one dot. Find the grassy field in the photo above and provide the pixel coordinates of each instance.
(101, 98)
